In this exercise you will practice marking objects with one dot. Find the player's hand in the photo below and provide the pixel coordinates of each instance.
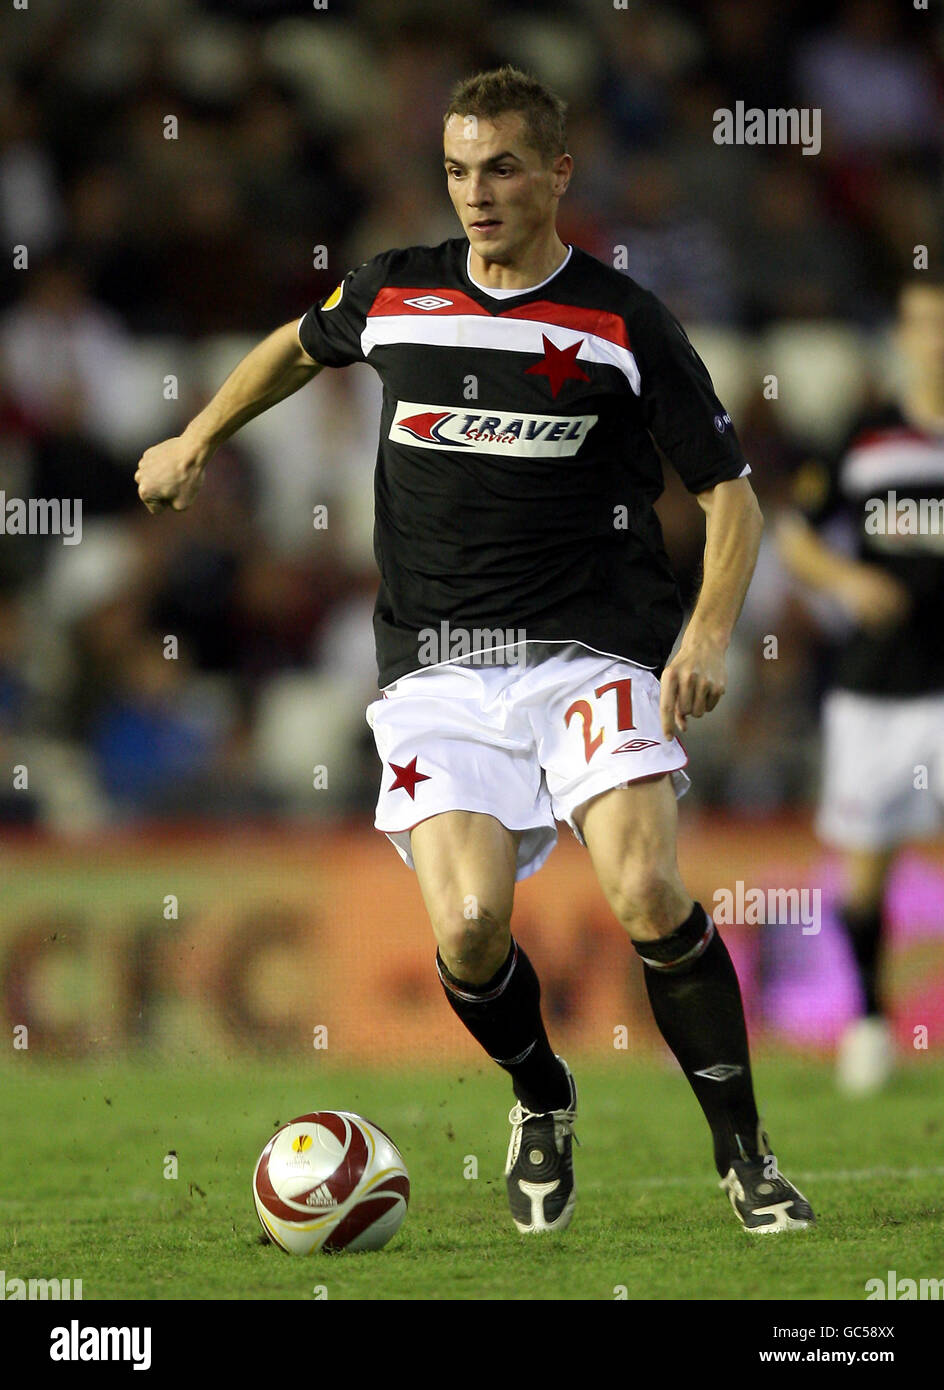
(875, 600)
(692, 683)
(171, 474)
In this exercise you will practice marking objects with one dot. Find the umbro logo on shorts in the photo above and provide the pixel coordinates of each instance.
(636, 745)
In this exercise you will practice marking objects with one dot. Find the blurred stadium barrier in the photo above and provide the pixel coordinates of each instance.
(207, 944)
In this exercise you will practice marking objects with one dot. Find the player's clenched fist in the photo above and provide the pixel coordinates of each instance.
(692, 684)
(171, 474)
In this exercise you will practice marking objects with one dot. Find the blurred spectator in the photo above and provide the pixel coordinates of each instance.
(655, 44)
(31, 212)
(795, 262)
(744, 53)
(156, 744)
(65, 357)
(121, 269)
(674, 251)
(13, 685)
(18, 805)
(873, 82)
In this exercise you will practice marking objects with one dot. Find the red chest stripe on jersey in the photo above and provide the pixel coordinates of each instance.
(896, 434)
(392, 300)
(595, 321)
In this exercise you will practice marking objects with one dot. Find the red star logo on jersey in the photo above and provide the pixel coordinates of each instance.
(407, 778)
(559, 365)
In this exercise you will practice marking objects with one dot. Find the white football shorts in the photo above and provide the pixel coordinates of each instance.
(527, 743)
(883, 770)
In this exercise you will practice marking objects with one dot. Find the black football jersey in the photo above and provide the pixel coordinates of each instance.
(516, 471)
(886, 484)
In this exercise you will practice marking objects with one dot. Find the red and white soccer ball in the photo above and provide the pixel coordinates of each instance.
(330, 1181)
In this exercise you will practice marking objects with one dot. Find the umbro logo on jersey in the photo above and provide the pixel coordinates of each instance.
(428, 301)
(508, 433)
(635, 745)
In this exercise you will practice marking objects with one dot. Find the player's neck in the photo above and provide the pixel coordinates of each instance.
(537, 262)
(923, 405)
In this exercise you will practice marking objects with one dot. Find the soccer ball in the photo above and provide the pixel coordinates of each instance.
(330, 1181)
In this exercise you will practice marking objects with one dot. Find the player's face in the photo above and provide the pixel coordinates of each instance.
(503, 194)
(921, 328)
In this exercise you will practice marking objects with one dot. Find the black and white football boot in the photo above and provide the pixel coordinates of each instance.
(539, 1171)
(762, 1198)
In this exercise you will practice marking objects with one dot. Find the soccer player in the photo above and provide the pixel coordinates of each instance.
(527, 610)
(867, 528)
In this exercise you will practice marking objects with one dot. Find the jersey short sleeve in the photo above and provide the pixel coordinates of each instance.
(331, 331)
(680, 408)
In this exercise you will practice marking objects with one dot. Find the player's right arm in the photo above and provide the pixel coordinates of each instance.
(170, 474)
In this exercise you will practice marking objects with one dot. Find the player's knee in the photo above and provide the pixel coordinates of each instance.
(648, 900)
(473, 939)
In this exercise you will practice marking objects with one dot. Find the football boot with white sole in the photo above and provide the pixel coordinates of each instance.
(762, 1198)
(539, 1171)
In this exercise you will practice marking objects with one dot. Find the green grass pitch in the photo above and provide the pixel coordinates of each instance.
(84, 1193)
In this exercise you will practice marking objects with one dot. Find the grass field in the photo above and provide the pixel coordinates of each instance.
(84, 1193)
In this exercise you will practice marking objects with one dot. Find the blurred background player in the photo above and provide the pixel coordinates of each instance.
(867, 529)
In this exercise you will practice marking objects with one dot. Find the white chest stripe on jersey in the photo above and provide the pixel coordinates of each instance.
(878, 466)
(513, 434)
(500, 334)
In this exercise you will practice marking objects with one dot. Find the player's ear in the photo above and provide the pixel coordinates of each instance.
(563, 168)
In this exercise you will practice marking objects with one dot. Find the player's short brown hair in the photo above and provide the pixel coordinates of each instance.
(506, 89)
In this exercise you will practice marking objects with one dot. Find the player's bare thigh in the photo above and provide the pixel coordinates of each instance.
(631, 833)
(466, 863)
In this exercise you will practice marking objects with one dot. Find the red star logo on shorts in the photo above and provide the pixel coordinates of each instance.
(407, 778)
(559, 365)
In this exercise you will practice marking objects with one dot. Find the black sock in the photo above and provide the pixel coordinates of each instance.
(864, 934)
(504, 1016)
(696, 1001)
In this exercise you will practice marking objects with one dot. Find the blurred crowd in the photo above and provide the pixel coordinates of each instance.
(186, 175)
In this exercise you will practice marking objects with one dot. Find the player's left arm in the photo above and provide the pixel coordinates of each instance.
(695, 679)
